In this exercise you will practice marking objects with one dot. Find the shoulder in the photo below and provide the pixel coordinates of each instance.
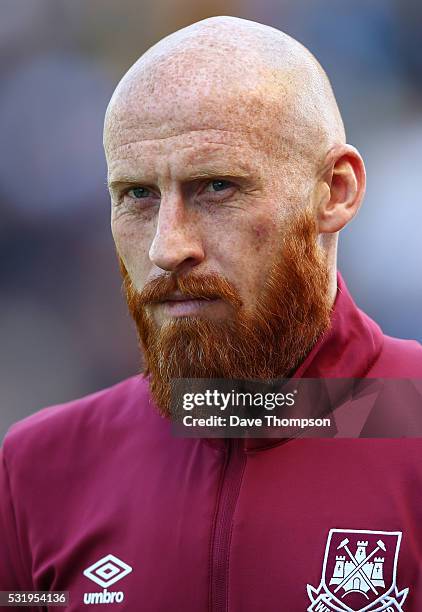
(70, 424)
(398, 358)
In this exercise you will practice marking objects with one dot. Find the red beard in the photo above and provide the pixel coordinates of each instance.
(291, 313)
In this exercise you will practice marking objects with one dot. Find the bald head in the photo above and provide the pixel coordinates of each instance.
(228, 73)
(216, 138)
(230, 178)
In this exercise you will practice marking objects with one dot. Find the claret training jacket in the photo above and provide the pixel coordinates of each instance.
(98, 498)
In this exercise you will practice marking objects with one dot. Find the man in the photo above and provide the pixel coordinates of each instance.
(230, 179)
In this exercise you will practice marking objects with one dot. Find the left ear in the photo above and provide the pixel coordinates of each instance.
(340, 188)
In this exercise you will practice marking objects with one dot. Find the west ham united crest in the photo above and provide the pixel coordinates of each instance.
(359, 573)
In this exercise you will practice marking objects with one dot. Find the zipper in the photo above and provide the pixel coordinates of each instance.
(234, 464)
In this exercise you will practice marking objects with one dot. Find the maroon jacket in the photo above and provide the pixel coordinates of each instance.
(98, 498)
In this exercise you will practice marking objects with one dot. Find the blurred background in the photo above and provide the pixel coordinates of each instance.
(63, 323)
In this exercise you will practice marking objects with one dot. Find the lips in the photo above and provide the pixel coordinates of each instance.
(179, 297)
(178, 305)
(182, 298)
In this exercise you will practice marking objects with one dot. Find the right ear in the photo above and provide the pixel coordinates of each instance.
(341, 189)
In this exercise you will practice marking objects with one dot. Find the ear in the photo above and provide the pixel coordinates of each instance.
(340, 189)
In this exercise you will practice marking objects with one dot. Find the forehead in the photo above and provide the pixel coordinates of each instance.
(190, 128)
(183, 155)
(202, 86)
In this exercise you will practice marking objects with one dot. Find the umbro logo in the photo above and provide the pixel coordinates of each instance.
(105, 572)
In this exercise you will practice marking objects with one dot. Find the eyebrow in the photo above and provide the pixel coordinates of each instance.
(234, 173)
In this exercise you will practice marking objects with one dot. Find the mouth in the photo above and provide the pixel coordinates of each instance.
(176, 296)
(179, 305)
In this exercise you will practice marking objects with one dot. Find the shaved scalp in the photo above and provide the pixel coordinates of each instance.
(228, 99)
(223, 72)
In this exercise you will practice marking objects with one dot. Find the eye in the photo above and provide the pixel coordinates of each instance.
(219, 185)
(139, 192)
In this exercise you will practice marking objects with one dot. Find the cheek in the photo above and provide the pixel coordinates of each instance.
(249, 257)
(263, 236)
(260, 235)
(133, 247)
(264, 244)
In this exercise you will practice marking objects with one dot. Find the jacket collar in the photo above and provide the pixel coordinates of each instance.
(348, 349)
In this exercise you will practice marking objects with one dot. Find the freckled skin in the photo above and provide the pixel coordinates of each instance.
(180, 229)
(260, 233)
(225, 100)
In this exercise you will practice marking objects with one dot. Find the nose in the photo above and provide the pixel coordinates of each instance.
(177, 244)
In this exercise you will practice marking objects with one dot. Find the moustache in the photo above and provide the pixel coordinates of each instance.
(204, 286)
